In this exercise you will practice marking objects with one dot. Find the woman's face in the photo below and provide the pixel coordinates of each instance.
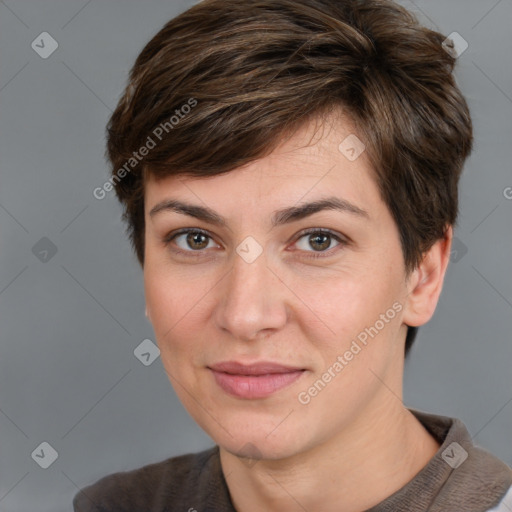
(319, 316)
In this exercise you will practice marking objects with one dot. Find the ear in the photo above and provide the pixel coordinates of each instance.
(426, 281)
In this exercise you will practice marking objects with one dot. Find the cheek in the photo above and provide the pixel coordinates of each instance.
(171, 293)
(343, 304)
(348, 310)
(174, 307)
(360, 348)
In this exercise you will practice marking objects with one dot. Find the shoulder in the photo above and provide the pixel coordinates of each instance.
(177, 481)
(505, 505)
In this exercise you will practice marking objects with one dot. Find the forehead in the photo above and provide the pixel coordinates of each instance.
(320, 157)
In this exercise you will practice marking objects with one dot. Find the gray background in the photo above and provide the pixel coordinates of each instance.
(70, 324)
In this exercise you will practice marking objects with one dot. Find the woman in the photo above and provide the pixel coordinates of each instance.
(289, 173)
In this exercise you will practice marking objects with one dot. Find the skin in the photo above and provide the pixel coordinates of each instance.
(354, 443)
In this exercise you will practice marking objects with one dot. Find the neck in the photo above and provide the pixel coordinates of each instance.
(380, 452)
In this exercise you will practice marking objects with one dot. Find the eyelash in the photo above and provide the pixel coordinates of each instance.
(315, 254)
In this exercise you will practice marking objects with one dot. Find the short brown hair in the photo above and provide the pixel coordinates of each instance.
(260, 69)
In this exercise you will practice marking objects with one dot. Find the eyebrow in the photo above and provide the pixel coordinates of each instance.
(280, 217)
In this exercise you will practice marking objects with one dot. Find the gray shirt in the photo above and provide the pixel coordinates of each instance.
(461, 477)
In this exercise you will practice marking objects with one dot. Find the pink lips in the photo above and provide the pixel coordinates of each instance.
(257, 380)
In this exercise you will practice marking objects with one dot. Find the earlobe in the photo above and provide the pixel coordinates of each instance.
(426, 281)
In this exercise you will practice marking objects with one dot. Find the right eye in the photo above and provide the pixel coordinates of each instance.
(191, 240)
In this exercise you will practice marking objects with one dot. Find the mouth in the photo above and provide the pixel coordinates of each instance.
(253, 381)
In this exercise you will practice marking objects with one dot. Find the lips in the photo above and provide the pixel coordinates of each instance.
(257, 380)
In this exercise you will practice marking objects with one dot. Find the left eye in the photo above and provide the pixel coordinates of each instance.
(320, 241)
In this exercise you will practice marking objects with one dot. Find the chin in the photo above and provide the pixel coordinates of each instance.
(255, 442)
(259, 449)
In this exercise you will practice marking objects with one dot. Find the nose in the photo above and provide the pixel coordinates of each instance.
(253, 300)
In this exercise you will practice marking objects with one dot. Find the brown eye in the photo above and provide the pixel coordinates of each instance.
(196, 240)
(319, 243)
(189, 241)
(318, 240)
